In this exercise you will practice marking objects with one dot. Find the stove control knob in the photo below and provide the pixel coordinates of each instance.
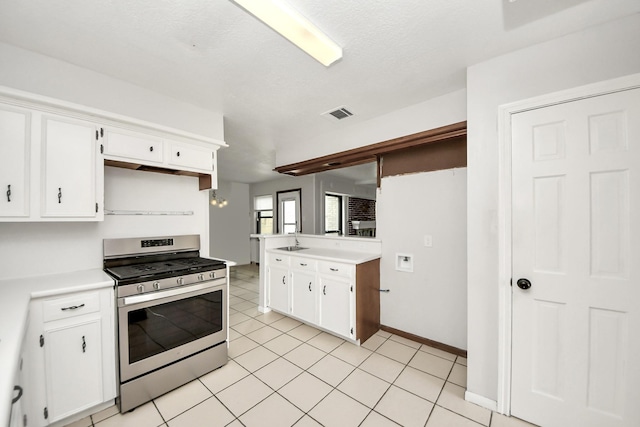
(212, 274)
(156, 285)
(201, 277)
(140, 288)
(180, 281)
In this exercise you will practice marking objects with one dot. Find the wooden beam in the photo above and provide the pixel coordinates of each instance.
(370, 153)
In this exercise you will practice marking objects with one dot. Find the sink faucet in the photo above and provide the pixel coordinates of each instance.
(296, 234)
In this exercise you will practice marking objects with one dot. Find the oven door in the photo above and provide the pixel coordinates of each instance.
(160, 328)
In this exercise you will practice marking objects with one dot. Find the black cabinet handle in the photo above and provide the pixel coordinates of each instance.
(19, 390)
(9, 193)
(283, 280)
(309, 286)
(151, 148)
(324, 290)
(73, 307)
(84, 345)
(178, 154)
(60, 195)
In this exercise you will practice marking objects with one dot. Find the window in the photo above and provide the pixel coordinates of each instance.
(263, 207)
(332, 214)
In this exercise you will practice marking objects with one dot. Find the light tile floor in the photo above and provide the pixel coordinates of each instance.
(284, 373)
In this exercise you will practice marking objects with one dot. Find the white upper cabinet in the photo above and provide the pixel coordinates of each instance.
(15, 125)
(129, 146)
(53, 153)
(192, 157)
(71, 168)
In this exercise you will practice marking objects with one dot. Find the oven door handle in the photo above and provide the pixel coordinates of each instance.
(152, 296)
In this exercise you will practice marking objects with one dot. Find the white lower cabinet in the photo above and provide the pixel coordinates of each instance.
(337, 305)
(72, 355)
(279, 288)
(18, 417)
(325, 293)
(304, 296)
(73, 365)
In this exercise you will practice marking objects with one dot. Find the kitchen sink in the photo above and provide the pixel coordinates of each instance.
(291, 248)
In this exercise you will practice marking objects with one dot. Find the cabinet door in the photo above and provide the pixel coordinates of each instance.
(192, 157)
(279, 289)
(15, 146)
(303, 296)
(336, 305)
(130, 146)
(70, 172)
(73, 368)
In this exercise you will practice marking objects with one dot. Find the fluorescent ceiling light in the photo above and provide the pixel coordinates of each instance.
(294, 27)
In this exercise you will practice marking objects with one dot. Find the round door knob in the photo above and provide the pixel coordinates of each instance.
(140, 288)
(523, 283)
(156, 285)
(180, 281)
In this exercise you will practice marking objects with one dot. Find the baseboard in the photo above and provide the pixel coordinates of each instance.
(481, 401)
(431, 343)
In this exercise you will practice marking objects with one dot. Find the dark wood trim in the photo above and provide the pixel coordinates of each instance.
(367, 299)
(370, 153)
(426, 158)
(204, 180)
(435, 344)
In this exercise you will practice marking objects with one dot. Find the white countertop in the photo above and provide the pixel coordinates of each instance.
(14, 315)
(327, 254)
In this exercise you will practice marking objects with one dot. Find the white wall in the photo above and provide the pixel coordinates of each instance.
(398, 234)
(600, 53)
(431, 302)
(229, 228)
(32, 72)
(430, 114)
(32, 249)
(45, 248)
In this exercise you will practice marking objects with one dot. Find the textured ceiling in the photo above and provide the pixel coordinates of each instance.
(213, 54)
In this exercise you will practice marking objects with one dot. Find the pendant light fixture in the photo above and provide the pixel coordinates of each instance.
(294, 27)
(219, 202)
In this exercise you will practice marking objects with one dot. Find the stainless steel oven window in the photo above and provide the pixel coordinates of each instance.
(155, 329)
(160, 331)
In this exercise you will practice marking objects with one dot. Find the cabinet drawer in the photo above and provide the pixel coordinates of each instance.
(69, 306)
(277, 259)
(131, 146)
(191, 156)
(304, 264)
(336, 269)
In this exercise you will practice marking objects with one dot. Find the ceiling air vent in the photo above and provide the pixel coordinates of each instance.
(339, 113)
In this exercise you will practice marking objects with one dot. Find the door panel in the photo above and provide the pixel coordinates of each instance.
(15, 146)
(69, 159)
(575, 195)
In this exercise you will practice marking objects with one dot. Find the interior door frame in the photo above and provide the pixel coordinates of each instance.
(505, 250)
(298, 209)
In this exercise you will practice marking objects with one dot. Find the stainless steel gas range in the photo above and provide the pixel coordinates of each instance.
(172, 314)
